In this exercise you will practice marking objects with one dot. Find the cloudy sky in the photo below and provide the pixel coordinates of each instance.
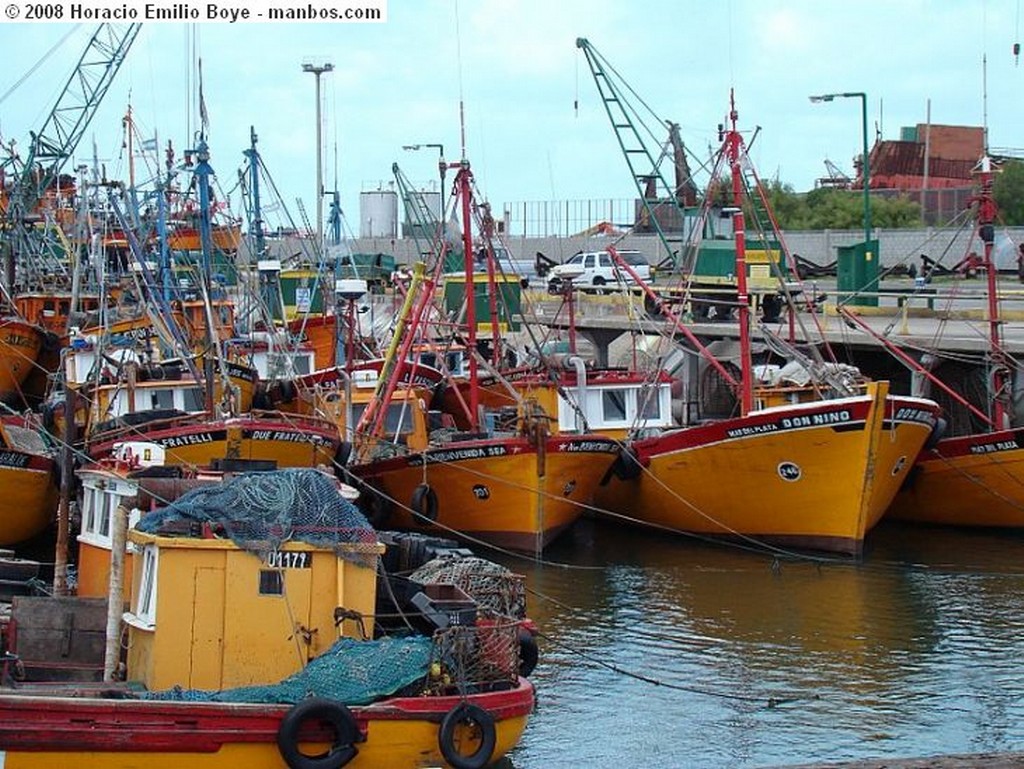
(535, 129)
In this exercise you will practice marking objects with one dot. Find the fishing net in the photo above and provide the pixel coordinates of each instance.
(260, 511)
(497, 591)
(474, 658)
(352, 672)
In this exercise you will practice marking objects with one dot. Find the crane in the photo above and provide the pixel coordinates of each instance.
(55, 142)
(662, 204)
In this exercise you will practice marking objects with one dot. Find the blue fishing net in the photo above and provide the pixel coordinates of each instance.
(260, 511)
(351, 672)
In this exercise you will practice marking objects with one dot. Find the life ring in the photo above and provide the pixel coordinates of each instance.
(424, 502)
(332, 712)
(528, 651)
(376, 506)
(467, 715)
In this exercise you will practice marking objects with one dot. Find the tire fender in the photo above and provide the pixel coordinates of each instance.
(466, 713)
(424, 502)
(528, 652)
(332, 712)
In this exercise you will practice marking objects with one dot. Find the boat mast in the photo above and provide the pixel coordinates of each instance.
(734, 153)
(986, 231)
(463, 183)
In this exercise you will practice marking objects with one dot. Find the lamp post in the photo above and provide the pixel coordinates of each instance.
(318, 70)
(865, 163)
(858, 264)
(442, 166)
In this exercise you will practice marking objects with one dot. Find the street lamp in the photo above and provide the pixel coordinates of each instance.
(317, 70)
(865, 164)
(442, 166)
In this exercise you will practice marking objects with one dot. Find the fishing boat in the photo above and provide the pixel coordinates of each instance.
(28, 479)
(801, 465)
(973, 476)
(505, 478)
(252, 641)
(20, 346)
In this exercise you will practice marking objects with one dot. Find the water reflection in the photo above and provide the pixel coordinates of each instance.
(666, 652)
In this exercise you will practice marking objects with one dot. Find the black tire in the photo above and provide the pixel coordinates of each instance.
(376, 506)
(424, 503)
(529, 654)
(598, 286)
(331, 712)
(938, 431)
(626, 466)
(341, 456)
(466, 713)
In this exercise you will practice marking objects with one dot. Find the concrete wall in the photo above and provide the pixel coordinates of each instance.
(896, 246)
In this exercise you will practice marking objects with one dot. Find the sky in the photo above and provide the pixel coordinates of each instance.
(534, 126)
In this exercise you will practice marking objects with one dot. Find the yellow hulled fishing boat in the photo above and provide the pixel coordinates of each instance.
(28, 481)
(252, 641)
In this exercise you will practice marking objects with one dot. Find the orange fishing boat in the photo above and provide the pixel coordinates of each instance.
(974, 477)
(28, 480)
(20, 346)
(802, 466)
(505, 478)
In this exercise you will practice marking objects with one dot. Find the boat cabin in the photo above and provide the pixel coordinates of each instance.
(216, 616)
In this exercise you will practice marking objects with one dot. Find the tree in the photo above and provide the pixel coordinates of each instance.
(1008, 190)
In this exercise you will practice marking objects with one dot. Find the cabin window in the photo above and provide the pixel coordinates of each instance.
(192, 399)
(613, 405)
(649, 404)
(606, 260)
(89, 513)
(48, 305)
(271, 582)
(303, 363)
(108, 502)
(146, 610)
(162, 399)
(399, 419)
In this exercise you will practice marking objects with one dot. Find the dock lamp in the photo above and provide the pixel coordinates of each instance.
(865, 165)
(858, 265)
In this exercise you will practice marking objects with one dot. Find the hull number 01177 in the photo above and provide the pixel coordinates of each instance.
(289, 559)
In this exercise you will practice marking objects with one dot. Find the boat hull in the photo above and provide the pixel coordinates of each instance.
(501, 491)
(20, 344)
(28, 503)
(973, 480)
(813, 476)
(291, 442)
(89, 733)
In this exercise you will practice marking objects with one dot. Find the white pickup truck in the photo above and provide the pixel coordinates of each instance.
(596, 271)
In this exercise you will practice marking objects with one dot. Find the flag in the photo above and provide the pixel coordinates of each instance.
(204, 118)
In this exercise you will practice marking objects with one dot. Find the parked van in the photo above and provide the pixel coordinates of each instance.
(597, 271)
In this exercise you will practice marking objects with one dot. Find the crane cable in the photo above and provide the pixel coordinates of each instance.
(38, 64)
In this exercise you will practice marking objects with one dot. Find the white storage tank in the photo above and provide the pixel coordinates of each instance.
(378, 214)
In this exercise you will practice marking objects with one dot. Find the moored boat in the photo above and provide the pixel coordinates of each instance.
(290, 671)
(812, 466)
(504, 477)
(20, 344)
(28, 481)
(975, 476)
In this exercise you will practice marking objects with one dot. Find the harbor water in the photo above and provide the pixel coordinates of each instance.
(664, 651)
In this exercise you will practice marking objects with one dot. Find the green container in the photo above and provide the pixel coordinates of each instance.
(509, 300)
(303, 293)
(857, 274)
